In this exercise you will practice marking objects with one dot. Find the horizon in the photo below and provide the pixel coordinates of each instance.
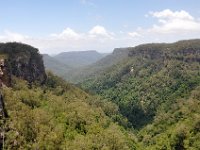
(76, 52)
(81, 25)
(109, 52)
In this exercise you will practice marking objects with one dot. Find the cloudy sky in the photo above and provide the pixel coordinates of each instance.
(54, 26)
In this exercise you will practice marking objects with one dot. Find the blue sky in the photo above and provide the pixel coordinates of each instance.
(67, 25)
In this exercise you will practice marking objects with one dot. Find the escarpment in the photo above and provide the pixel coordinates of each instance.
(21, 61)
(188, 51)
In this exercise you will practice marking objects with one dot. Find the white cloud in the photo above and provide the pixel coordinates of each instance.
(168, 14)
(97, 38)
(67, 33)
(12, 36)
(97, 31)
(170, 26)
(170, 22)
(134, 34)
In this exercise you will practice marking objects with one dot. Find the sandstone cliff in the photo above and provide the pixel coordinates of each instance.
(22, 61)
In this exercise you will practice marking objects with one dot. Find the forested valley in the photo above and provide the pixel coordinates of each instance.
(136, 98)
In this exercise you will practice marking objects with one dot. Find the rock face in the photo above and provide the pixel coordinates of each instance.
(22, 61)
(5, 76)
(188, 51)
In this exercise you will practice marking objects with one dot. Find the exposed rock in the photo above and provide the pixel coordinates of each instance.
(22, 61)
(188, 51)
(3, 114)
(5, 76)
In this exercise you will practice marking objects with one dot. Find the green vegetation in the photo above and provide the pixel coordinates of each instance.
(58, 115)
(151, 75)
(77, 59)
(176, 129)
(55, 66)
(67, 64)
(148, 85)
(145, 98)
(80, 74)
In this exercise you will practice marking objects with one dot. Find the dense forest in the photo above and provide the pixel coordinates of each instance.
(59, 116)
(156, 86)
(52, 114)
(67, 63)
(143, 97)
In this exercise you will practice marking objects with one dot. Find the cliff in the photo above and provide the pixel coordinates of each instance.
(188, 50)
(22, 61)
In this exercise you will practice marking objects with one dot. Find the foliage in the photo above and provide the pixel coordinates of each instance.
(148, 98)
(160, 74)
(177, 129)
(157, 88)
(58, 115)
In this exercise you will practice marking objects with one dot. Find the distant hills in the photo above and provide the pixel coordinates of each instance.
(79, 58)
(66, 62)
(80, 74)
(125, 56)
(54, 65)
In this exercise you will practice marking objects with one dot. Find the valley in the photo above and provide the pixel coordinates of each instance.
(100, 75)
(143, 97)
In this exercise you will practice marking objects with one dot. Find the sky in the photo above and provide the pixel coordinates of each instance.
(56, 26)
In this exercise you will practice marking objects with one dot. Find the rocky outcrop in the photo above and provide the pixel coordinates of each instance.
(188, 51)
(3, 112)
(22, 61)
(5, 76)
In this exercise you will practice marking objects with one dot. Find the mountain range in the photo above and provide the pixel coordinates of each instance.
(64, 63)
(79, 58)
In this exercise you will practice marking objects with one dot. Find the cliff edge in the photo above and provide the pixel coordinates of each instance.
(22, 61)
